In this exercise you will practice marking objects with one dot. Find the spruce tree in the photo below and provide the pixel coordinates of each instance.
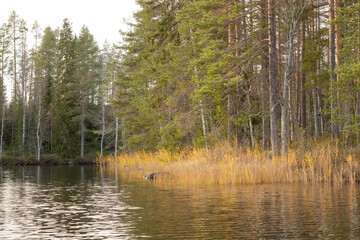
(66, 96)
(88, 74)
(44, 84)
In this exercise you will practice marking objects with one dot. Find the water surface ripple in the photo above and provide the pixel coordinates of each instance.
(74, 202)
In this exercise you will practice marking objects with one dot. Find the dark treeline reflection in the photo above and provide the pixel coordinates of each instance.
(109, 203)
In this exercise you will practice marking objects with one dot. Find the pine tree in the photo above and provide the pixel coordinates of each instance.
(347, 70)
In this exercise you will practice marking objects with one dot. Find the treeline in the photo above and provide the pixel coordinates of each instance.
(264, 72)
(188, 74)
(61, 88)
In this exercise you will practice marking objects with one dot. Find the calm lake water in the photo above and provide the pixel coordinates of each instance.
(74, 202)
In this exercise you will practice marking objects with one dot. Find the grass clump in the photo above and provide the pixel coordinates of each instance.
(226, 163)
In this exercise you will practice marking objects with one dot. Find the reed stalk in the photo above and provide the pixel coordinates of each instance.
(226, 163)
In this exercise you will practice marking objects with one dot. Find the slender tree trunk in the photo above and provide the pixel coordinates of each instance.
(203, 122)
(2, 128)
(82, 117)
(314, 89)
(272, 78)
(38, 129)
(318, 90)
(231, 126)
(320, 111)
(3, 98)
(286, 84)
(116, 135)
(23, 125)
(202, 115)
(303, 78)
(357, 111)
(252, 141)
(23, 83)
(14, 87)
(265, 81)
(316, 114)
(51, 130)
(285, 98)
(357, 114)
(15, 73)
(291, 111)
(103, 122)
(334, 125)
(212, 124)
(298, 81)
(237, 103)
(343, 108)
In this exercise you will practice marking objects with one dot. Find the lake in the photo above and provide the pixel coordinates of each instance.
(87, 202)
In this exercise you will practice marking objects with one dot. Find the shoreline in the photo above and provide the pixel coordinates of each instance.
(46, 161)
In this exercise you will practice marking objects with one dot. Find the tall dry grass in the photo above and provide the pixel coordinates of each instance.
(224, 163)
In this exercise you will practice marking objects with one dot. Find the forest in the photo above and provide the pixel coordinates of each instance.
(188, 74)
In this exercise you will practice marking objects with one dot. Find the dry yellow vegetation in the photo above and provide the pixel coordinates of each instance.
(225, 163)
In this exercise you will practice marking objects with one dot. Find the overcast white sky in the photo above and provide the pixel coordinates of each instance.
(104, 18)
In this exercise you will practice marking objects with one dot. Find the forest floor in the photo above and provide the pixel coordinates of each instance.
(312, 161)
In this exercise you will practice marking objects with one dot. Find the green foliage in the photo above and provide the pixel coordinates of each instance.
(348, 84)
(66, 96)
(177, 70)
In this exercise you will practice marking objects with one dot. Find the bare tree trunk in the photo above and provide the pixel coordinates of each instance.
(314, 90)
(298, 82)
(38, 130)
(202, 115)
(291, 112)
(357, 114)
(231, 125)
(315, 104)
(103, 122)
(2, 129)
(285, 98)
(319, 107)
(303, 78)
(318, 121)
(23, 83)
(116, 135)
(237, 103)
(252, 141)
(203, 123)
(51, 129)
(334, 125)
(3, 97)
(265, 82)
(23, 123)
(357, 111)
(37, 75)
(272, 78)
(15, 73)
(82, 118)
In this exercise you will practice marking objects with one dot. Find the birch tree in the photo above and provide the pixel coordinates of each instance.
(272, 77)
(24, 79)
(294, 18)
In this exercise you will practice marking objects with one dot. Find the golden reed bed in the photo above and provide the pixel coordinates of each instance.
(227, 163)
